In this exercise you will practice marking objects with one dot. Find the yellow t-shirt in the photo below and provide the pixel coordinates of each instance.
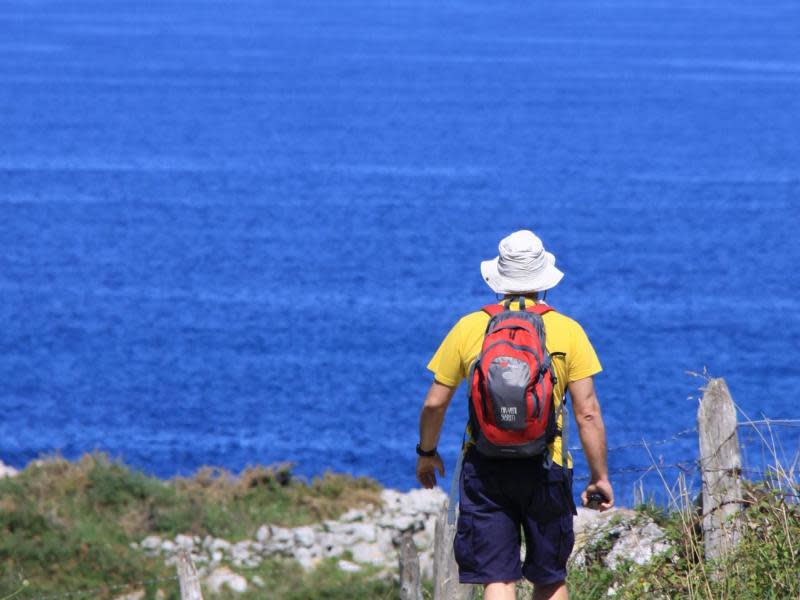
(461, 347)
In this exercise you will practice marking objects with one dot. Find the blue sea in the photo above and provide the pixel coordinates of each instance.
(235, 232)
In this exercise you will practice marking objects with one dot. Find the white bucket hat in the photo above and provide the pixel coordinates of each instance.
(523, 266)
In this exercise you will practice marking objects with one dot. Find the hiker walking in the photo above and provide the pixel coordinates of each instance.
(519, 358)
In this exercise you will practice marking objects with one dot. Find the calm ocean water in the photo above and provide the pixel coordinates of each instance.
(234, 232)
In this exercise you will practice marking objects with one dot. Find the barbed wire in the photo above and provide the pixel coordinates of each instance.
(643, 443)
(692, 430)
(687, 467)
(768, 422)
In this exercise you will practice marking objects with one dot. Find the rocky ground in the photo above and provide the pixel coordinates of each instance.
(362, 538)
(357, 539)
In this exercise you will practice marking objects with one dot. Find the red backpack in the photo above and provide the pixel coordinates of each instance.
(511, 384)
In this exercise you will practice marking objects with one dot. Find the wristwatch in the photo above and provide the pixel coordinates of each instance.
(421, 452)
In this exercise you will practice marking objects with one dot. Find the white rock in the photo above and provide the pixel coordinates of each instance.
(223, 576)
(362, 532)
(329, 544)
(304, 536)
(368, 553)
(167, 547)
(430, 529)
(426, 564)
(151, 543)
(421, 501)
(587, 517)
(630, 536)
(392, 500)
(7, 470)
(240, 551)
(353, 515)
(348, 567)
(337, 528)
(284, 548)
(263, 534)
(400, 523)
(216, 556)
(330, 525)
(306, 558)
(220, 545)
(281, 534)
(258, 581)
(184, 541)
(386, 539)
(639, 544)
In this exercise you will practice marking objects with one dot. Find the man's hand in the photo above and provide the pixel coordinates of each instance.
(602, 487)
(426, 470)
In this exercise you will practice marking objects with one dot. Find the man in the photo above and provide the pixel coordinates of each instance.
(500, 496)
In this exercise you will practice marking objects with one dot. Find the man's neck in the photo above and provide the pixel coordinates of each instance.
(533, 296)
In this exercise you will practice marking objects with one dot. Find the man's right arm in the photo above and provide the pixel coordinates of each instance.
(430, 425)
(592, 432)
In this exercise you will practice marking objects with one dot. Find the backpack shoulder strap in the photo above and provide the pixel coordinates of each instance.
(493, 309)
(540, 309)
(496, 309)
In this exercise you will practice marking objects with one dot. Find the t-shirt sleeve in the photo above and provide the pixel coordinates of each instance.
(582, 361)
(446, 364)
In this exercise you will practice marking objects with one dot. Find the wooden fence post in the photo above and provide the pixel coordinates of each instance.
(445, 569)
(721, 465)
(410, 584)
(188, 578)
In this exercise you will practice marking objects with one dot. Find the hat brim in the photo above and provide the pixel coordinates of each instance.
(544, 280)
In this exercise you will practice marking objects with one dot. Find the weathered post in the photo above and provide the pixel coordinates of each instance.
(721, 465)
(410, 584)
(188, 579)
(445, 569)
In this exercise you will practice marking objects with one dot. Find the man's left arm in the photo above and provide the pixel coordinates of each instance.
(592, 432)
(430, 426)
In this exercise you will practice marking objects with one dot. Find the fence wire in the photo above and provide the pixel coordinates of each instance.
(763, 452)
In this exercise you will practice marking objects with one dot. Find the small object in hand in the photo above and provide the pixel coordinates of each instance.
(595, 499)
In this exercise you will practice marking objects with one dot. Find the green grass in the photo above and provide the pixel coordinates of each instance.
(68, 525)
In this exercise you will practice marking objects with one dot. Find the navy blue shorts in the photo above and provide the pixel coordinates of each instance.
(500, 497)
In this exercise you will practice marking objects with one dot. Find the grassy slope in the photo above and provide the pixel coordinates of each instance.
(68, 525)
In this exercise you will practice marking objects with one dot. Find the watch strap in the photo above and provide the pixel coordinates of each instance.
(428, 453)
